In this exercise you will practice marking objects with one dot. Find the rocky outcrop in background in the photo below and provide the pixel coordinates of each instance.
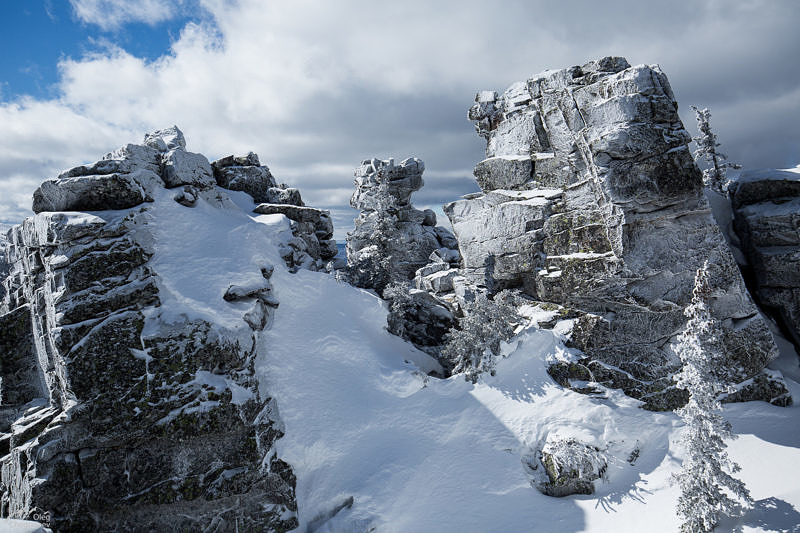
(410, 236)
(592, 202)
(766, 210)
(114, 419)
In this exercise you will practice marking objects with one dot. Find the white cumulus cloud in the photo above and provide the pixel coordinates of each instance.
(315, 87)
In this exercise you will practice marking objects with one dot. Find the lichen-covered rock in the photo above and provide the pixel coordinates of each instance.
(113, 419)
(411, 236)
(592, 201)
(766, 207)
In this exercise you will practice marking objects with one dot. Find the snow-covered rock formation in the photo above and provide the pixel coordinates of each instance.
(592, 202)
(766, 209)
(128, 339)
(383, 195)
(312, 228)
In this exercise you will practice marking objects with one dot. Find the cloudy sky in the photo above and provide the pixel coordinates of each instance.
(315, 87)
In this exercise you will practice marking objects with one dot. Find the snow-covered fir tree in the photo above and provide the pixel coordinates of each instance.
(708, 489)
(715, 176)
(472, 346)
(373, 267)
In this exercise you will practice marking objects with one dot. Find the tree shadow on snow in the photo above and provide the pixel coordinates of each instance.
(770, 514)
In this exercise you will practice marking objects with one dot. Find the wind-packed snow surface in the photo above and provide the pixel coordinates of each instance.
(376, 443)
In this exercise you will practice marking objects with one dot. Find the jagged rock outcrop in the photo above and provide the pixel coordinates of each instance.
(4, 265)
(119, 412)
(407, 235)
(313, 244)
(766, 209)
(592, 201)
(245, 173)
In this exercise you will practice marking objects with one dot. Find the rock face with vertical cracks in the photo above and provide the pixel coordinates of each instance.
(592, 201)
(414, 233)
(766, 207)
(113, 419)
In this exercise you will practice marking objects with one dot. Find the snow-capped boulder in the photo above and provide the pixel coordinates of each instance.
(129, 395)
(409, 236)
(592, 201)
(165, 140)
(565, 466)
(766, 207)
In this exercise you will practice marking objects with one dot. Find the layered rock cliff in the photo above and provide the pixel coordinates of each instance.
(592, 202)
(766, 209)
(130, 401)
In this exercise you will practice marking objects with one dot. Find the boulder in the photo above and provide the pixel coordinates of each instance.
(312, 228)
(96, 193)
(565, 466)
(186, 168)
(245, 173)
(167, 139)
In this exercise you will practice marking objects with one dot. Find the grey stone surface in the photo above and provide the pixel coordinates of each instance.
(401, 180)
(313, 242)
(412, 236)
(96, 193)
(607, 219)
(111, 419)
(766, 208)
(167, 139)
(186, 168)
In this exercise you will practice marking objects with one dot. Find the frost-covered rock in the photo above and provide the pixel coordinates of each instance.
(245, 173)
(4, 265)
(591, 200)
(126, 406)
(313, 242)
(404, 235)
(766, 207)
(565, 466)
(419, 317)
(186, 168)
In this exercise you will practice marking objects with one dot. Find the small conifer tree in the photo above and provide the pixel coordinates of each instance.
(708, 490)
(715, 176)
(473, 346)
(373, 269)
